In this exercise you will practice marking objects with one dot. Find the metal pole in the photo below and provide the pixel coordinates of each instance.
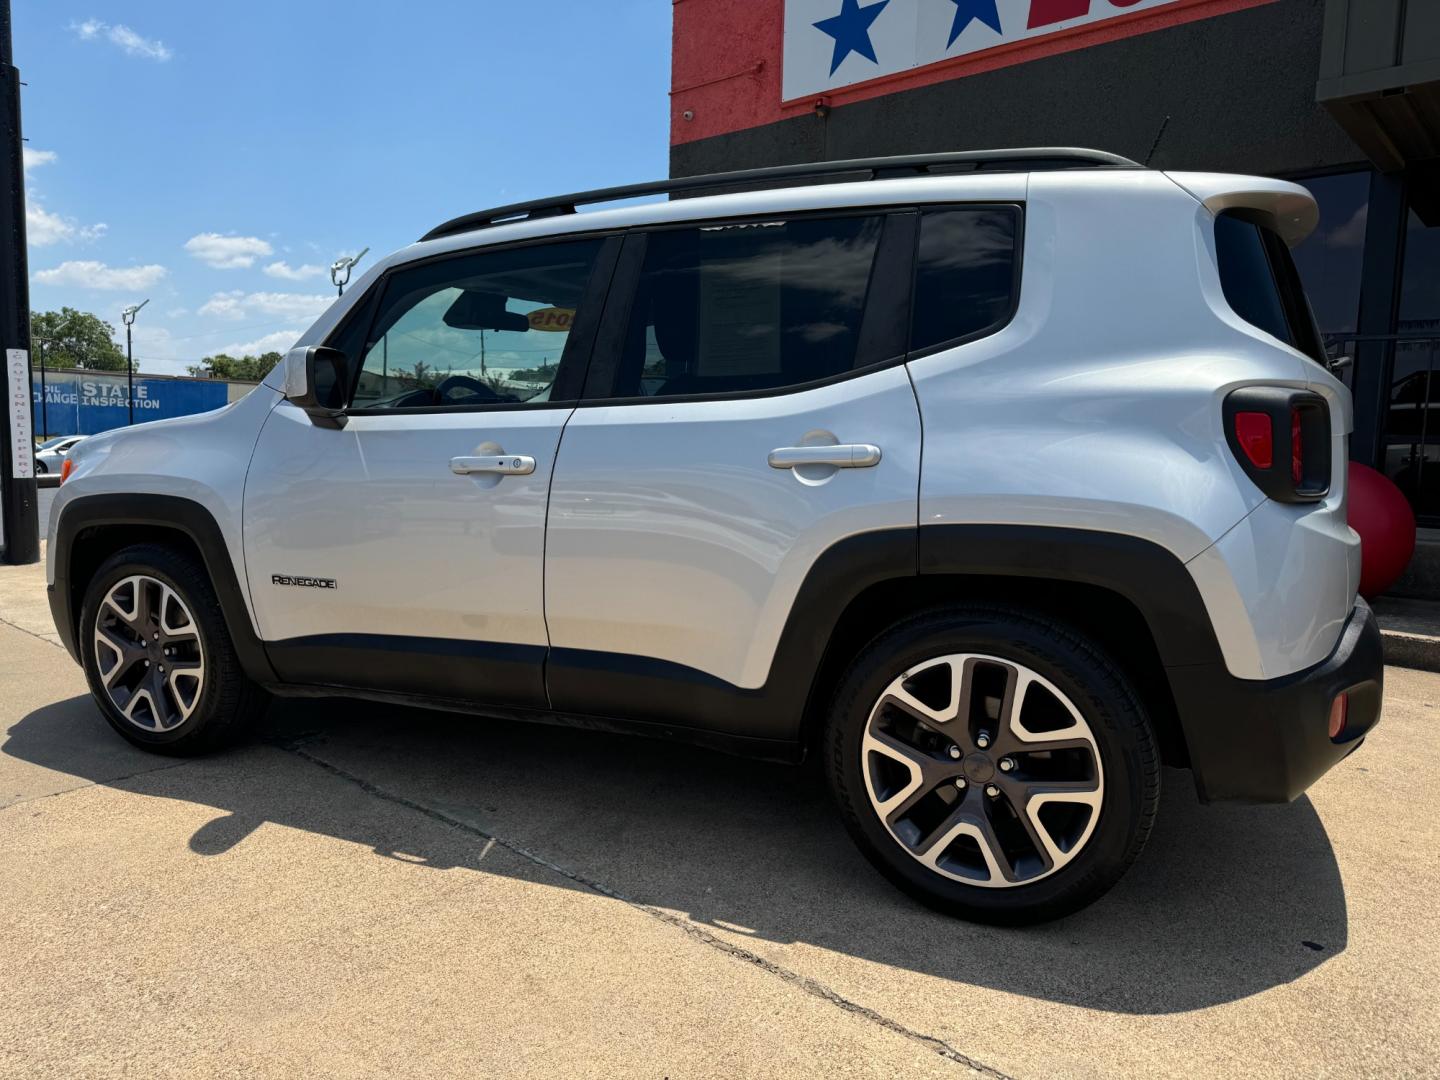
(17, 452)
(44, 401)
(128, 317)
(340, 271)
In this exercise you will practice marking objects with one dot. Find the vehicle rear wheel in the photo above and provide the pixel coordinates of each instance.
(992, 763)
(158, 655)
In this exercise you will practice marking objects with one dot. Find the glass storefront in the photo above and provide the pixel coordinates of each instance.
(1412, 442)
(1331, 260)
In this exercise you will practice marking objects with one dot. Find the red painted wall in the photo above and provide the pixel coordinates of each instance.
(727, 55)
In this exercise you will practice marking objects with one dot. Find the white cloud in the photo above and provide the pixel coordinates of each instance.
(155, 352)
(238, 304)
(227, 252)
(123, 38)
(224, 305)
(286, 272)
(1352, 233)
(89, 274)
(42, 228)
(280, 342)
(33, 159)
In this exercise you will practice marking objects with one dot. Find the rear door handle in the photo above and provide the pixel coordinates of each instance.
(844, 456)
(500, 464)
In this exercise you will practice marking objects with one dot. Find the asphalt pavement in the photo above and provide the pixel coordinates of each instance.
(366, 891)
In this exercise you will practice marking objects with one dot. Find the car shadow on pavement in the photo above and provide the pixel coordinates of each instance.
(1225, 902)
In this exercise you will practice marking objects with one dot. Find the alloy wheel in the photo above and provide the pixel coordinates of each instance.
(149, 654)
(982, 770)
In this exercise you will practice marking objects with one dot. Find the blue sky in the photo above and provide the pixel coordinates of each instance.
(217, 157)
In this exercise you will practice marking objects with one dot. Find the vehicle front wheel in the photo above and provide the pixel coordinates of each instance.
(993, 764)
(41, 468)
(158, 655)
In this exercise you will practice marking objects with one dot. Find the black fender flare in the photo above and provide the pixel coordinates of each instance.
(1150, 577)
(163, 513)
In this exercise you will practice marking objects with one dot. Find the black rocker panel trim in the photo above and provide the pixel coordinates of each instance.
(496, 673)
(164, 513)
(764, 749)
(636, 692)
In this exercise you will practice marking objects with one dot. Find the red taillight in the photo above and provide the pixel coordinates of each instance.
(1254, 434)
(66, 469)
(1297, 449)
(1256, 422)
(1339, 713)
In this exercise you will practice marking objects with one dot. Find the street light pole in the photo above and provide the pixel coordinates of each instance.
(340, 271)
(128, 317)
(18, 515)
(40, 344)
(44, 401)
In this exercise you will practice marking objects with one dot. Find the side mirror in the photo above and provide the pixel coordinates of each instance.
(316, 379)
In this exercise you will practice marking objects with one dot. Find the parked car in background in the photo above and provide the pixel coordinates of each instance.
(50, 455)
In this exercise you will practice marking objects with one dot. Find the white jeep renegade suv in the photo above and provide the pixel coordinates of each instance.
(996, 480)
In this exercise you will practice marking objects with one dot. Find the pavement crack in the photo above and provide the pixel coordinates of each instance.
(694, 930)
(32, 633)
(109, 781)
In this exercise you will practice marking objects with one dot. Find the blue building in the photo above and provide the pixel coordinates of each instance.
(89, 402)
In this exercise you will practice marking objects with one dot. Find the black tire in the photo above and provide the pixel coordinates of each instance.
(1127, 748)
(228, 702)
(40, 467)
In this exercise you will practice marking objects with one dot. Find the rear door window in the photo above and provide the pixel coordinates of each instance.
(748, 306)
(965, 274)
(1262, 285)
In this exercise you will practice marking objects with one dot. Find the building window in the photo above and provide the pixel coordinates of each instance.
(1412, 435)
(1331, 260)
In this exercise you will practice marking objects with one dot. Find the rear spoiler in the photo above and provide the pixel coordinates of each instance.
(1287, 208)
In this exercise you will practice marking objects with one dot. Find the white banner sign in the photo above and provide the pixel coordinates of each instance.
(834, 43)
(22, 446)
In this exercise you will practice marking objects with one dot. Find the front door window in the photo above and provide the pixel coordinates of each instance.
(486, 330)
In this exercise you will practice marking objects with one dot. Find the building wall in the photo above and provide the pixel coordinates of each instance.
(82, 402)
(1238, 88)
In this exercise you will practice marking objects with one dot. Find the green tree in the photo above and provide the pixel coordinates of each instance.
(545, 373)
(242, 368)
(73, 338)
(420, 377)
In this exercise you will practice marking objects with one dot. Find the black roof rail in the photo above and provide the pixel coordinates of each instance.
(1020, 160)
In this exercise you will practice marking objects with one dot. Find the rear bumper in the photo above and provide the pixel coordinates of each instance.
(1266, 742)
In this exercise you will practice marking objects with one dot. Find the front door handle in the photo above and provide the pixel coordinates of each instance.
(844, 456)
(498, 464)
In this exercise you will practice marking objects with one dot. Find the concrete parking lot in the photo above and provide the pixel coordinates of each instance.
(364, 891)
